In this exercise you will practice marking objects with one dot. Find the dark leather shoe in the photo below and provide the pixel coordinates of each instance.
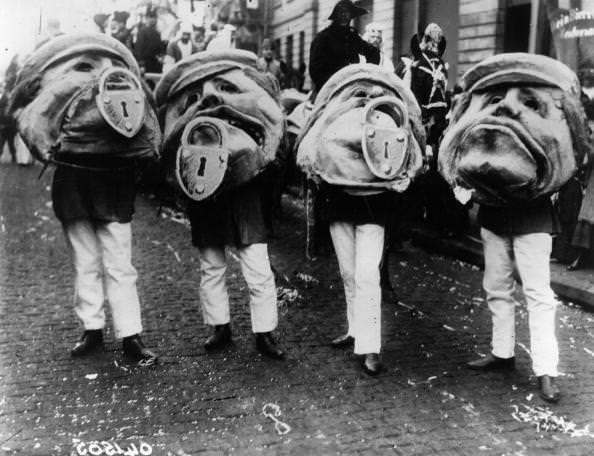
(91, 340)
(134, 348)
(548, 389)
(221, 337)
(267, 346)
(372, 364)
(492, 362)
(343, 341)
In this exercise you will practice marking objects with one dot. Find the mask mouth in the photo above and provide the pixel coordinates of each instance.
(215, 156)
(499, 157)
(120, 101)
(236, 120)
(202, 158)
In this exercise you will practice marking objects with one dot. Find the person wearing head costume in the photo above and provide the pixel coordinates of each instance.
(517, 134)
(223, 126)
(338, 45)
(79, 103)
(362, 140)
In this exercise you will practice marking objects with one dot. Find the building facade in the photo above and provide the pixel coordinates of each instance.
(474, 29)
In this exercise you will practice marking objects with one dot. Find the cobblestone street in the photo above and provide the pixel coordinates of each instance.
(193, 402)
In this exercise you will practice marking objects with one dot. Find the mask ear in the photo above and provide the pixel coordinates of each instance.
(24, 93)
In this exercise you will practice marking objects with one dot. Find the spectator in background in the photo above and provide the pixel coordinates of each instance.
(339, 45)
(119, 30)
(101, 20)
(225, 39)
(200, 39)
(268, 63)
(373, 35)
(180, 48)
(53, 29)
(149, 46)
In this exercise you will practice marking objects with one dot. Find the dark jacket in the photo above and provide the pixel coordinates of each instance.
(334, 48)
(147, 49)
(338, 206)
(235, 218)
(538, 216)
(100, 195)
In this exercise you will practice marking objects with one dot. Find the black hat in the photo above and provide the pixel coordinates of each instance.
(120, 16)
(356, 11)
(151, 11)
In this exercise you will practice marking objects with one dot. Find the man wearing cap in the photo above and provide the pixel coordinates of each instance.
(119, 30)
(180, 48)
(516, 136)
(339, 45)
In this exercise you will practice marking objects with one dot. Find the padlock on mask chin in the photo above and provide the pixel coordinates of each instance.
(517, 132)
(364, 133)
(80, 96)
(222, 120)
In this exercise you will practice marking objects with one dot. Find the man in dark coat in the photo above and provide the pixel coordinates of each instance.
(339, 45)
(119, 30)
(149, 45)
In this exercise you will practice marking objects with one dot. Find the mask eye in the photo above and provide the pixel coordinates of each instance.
(84, 67)
(360, 94)
(532, 103)
(192, 99)
(227, 87)
(494, 99)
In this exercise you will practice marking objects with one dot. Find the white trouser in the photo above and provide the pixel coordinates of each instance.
(359, 251)
(531, 253)
(102, 254)
(255, 267)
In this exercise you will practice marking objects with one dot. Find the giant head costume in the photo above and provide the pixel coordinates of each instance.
(517, 132)
(364, 133)
(81, 95)
(222, 121)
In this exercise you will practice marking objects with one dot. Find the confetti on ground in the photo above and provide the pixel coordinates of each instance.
(589, 352)
(287, 295)
(174, 216)
(170, 247)
(91, 376)
(546, 421)
(273, 411)
(449, 328)
(523, 347)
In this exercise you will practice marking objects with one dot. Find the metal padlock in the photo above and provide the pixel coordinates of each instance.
(121, 101)
(385, 148)
(201, 161)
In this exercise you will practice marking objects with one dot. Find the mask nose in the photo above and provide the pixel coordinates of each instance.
(210, 101)
(121, 101)
(509, 106)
